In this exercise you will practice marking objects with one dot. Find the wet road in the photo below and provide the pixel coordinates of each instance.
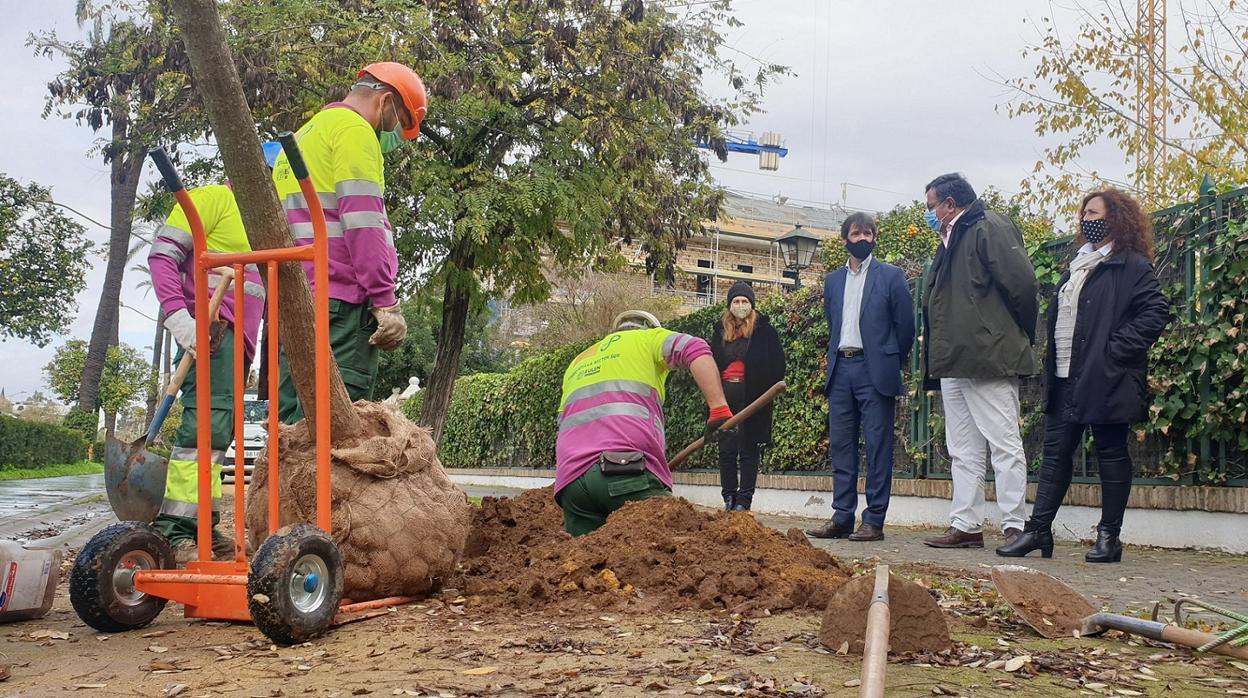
(55, 511)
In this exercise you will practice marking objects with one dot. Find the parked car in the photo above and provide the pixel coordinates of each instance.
(255, 436)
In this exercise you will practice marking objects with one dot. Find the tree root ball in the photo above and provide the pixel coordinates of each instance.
(916, 622)
(399, 521)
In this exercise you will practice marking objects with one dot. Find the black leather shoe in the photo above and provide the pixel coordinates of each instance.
(830, 530)
(867, 532)
(1028, 541)
(729, 501)
(1107, 548)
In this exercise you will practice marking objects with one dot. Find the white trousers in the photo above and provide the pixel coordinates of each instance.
(981, 415)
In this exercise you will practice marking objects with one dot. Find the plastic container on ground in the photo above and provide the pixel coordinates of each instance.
(28, 579)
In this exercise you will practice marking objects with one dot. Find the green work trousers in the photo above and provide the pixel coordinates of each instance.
(590, 498)
(177, 519)
(350, 326)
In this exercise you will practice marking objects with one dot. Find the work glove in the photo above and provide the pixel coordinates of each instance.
(182, 326)
(391, 328)
(714, 421)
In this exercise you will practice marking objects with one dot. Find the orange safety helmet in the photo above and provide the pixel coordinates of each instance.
(409, 86)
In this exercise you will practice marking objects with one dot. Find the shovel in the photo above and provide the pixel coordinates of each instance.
(1055, 610)
(134, 477)
(762, 401)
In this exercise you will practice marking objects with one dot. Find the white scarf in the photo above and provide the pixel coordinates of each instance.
(1080, 269)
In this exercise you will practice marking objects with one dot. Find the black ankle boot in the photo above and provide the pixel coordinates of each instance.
(1107, 548)
(1033, 538)
(729, 501)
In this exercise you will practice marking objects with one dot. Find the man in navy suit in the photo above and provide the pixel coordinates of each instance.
(870, 329)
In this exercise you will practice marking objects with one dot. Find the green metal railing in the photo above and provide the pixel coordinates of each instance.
(1185, 233)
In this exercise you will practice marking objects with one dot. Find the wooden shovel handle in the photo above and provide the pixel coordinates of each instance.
(762, 401)
(214, 305)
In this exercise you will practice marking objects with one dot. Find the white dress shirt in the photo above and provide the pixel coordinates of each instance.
(851, 308)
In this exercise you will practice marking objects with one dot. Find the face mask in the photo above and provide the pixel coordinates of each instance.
(392, 139)
(741, 312)
(860, 249)
(933, 221)
(1094, 231)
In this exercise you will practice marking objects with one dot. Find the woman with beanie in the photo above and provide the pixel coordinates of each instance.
(1107, 312)
(750, 360)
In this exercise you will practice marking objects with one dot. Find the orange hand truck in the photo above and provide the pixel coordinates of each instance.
(293, 586)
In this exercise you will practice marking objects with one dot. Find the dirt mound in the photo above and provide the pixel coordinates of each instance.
(916, 622)
(662, 552)
(399, 521)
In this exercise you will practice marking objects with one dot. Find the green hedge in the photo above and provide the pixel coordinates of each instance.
(26, 444)
(511, 418)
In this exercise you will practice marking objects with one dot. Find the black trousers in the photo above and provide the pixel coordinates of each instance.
(1061, 439)
(738, 452)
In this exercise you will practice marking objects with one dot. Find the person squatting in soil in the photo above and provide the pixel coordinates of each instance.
(979, 325)
(610, 448)
(1107, 311)
(343, 145)
(171, 264)
(750, 359)
(870, 320)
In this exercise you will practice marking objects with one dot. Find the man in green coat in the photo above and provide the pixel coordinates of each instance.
(979, 324)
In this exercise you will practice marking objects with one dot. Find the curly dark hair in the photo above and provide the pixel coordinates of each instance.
(1129, 227)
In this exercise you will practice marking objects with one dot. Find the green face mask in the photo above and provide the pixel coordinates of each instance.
(392, 139)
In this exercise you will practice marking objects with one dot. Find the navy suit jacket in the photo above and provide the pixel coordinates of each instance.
(886, 323)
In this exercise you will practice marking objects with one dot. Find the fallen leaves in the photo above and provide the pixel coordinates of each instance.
(479, 671)
(46, 634)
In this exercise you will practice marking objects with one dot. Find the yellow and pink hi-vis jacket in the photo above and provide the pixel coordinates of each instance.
(171, 263)
(613, 400)
(344, 161)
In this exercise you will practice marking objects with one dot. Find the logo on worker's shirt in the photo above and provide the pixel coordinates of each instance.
(606, 344)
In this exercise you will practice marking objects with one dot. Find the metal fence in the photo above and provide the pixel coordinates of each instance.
(1184, 233)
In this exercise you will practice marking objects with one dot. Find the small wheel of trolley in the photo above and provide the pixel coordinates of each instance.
(101, 586)
(295, 584)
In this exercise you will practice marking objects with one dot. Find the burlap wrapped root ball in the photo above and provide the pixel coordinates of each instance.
(399, 521)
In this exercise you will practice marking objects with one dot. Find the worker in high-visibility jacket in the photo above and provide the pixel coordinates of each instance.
(343, 145)
(611, 448)
(171, 262)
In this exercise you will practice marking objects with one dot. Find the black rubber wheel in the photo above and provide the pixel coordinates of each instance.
(101, 586)
(295, 584)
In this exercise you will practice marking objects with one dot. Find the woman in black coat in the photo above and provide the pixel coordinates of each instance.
(1107, 312)
(750, 359)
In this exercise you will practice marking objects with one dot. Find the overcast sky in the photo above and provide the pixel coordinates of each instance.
(887, 94)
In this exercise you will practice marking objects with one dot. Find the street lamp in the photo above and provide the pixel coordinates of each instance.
(797, 248)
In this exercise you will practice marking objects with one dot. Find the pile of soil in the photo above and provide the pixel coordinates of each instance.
(661, 553)
(399, 521)
(916, 623)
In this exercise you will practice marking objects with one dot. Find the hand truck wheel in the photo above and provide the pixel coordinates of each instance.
(101, 586)
(295, 584)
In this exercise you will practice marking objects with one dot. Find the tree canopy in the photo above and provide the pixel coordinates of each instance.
(43, 263)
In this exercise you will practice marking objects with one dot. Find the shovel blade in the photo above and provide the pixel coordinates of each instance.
(1043, 601)
(134, 479)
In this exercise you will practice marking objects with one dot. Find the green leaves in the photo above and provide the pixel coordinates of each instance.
(43, 262)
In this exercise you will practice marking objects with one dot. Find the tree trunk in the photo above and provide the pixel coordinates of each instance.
(154, 389)
(455, 306)
(216, 79)
(123, 182)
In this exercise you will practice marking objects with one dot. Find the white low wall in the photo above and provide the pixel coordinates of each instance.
(1156, 527)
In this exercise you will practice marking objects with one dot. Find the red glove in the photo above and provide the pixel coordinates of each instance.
(714, 421)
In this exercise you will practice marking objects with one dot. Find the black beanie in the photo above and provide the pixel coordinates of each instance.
(741, 289)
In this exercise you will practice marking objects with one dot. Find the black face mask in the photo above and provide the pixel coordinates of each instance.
(1094, 231)
(860, 249)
